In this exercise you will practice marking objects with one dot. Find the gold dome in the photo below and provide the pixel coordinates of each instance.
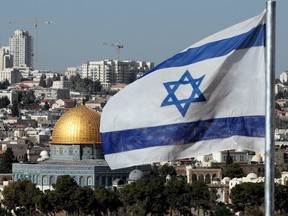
(79, 125)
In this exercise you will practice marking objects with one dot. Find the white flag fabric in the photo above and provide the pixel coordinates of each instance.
(209, 97)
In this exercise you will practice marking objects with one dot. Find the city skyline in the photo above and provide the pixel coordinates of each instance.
(151, 32)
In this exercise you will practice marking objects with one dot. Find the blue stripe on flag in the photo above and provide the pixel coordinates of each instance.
(254, 37)
(183, 133)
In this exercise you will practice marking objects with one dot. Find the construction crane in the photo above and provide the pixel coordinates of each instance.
(118, 47)
(35, 22)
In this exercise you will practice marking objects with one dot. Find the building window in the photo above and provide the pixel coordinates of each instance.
(103, 181)
(81, 181)
(109, 180)
(241, 158)
(89, 180)
(97, 180)
(52, 180)
(45, 180)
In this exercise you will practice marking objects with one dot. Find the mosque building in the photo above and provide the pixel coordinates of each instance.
(75, 150)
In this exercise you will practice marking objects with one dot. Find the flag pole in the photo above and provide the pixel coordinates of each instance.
(270, 100)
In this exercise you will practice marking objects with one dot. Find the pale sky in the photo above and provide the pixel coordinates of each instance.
(149, 30)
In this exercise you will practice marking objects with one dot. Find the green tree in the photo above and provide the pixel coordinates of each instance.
(46, 106)
(115, 202)
(28, 98)
(233, 170)
(202, 198)
(4, 101)
(97, 87)
(42, 82)
(85, 201)
(14, 109)
(49, 203)
(20, 97)
(11, 197)
(22, 197)
(84, 86)
(222, 209)
(281, 201)
(87, 86)
(144, 197)
(107, 200)
(7, 159)
(229, 159)
(178, 193)
(154, 171)
(65, 188)
(57, 77)
(73, 80)
(248, 197)
(166, 169)
(49, 82)
(4, 84)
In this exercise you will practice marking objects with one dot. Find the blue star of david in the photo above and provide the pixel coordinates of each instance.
(183, 104)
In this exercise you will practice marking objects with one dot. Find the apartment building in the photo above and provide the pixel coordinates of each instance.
(114, 71)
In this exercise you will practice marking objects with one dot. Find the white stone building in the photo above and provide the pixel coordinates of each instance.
(49, 93)
(64, 103)
(279, 87)
(238, 156)
(6, 60)
(61, 84)
(21, 48)
(36, 74)
(11, 74)
(114, 71)
(284, 77)
(72, 71)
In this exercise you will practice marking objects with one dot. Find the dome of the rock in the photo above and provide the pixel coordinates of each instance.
(79, 125)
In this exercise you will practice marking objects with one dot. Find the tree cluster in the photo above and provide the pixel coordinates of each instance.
(42, 81)
(15, 109)
(148, 196)
(4, 102)
(4, 84)
(233, 170)
(27, 99)
(249, 198)
(84, 86)
(46, 83)
(153, 195)
(24, 198)
(6, 161)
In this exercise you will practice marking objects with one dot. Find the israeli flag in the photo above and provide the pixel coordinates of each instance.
(209, 97)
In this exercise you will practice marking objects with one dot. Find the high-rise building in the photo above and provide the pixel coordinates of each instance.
(21, 48)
